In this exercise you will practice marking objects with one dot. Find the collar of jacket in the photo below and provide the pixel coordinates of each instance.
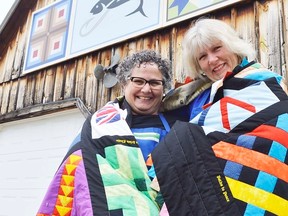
(184, 94)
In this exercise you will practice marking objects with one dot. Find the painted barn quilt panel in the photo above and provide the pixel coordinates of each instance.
(189, 8)
(69, 28)
(48, 36)
(98, 23)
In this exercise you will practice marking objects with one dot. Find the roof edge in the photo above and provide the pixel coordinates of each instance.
(9, 14)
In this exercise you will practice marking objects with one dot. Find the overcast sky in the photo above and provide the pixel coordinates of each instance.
(4, 8)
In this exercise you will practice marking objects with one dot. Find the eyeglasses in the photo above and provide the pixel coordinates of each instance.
(140, 82)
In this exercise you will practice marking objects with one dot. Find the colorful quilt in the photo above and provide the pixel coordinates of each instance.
(104, 173)
(232, 158)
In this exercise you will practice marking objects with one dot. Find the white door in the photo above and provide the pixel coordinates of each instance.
(30, 152)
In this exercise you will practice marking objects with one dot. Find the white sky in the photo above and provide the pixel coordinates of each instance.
(4, 9)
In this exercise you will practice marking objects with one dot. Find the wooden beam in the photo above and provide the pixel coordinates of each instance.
(43, 109)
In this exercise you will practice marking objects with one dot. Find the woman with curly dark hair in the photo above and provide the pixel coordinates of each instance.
(108, 170)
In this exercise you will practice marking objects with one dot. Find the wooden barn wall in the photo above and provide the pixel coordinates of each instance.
(264, 23)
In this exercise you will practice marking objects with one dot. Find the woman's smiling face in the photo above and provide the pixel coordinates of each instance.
(216, 61)
(145, 100)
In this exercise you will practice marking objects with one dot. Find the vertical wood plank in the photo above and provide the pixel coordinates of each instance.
(21, 93)
(9, 62)
(149, 42)
(1, 96)
(245, 24)
(70, 71)
(139, 44)
(49, 85)
(164, 43)
(103, 91)
(269, 37)
(2, 67)
(177, 63)
(59, 83)
(132, 48)
(81, 71)
(5, 97)
(13, 96)
(29, 91)
(39, 87)
(20, 52)
(283, 13)
(176, 50)
(165, 50)
(91, 84)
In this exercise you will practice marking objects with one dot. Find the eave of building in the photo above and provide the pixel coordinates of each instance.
(15, 18)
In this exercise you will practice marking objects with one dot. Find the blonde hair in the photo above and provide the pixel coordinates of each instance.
(207, 32)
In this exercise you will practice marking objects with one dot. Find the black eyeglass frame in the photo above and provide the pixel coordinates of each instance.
(147, 81)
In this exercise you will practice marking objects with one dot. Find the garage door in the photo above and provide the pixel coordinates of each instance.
(30, 152)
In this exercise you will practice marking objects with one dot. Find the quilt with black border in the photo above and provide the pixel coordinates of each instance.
(231, 159)
(103, 174)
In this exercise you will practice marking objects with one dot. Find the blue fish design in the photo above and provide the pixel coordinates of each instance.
(110, 4)
(139, 9)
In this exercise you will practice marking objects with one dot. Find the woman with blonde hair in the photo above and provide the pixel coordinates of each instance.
(231, 159)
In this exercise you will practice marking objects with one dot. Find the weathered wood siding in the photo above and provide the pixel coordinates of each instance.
(264, 23)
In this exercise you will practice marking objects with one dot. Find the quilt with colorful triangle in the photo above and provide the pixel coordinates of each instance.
(232, 158)
(103, 173)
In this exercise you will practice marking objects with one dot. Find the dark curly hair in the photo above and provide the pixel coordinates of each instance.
(125, 67)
